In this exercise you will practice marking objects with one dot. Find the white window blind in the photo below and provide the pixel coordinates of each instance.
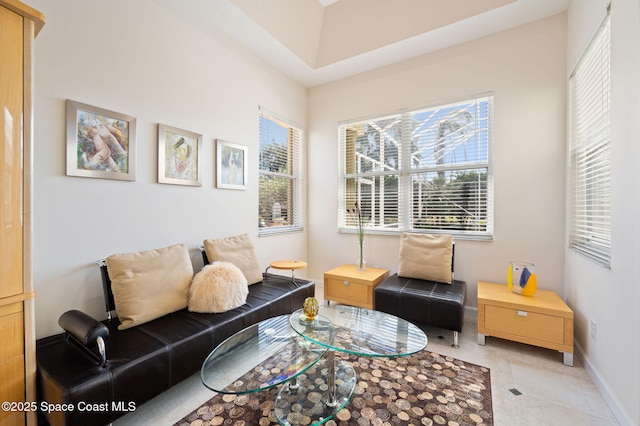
(280, 176)
(426, 170)
(590, 168)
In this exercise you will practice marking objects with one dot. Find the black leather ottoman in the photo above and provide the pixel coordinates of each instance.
(423, 302)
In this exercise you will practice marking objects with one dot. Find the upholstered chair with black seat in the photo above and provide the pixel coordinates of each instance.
(424, 290)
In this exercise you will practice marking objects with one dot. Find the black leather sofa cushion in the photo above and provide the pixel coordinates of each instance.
(183, 338)
(425, 302)
(138, 369)
(146, 360)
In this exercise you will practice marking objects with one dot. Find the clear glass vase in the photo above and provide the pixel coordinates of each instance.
(361, 263)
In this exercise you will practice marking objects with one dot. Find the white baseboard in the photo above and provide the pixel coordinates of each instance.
(618, 411)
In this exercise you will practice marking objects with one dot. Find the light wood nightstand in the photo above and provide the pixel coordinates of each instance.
(541, 320)
(346, 284)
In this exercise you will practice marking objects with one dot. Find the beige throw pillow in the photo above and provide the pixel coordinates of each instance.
(426, 257)
(218, 287)
(237, 250)
(149, 284)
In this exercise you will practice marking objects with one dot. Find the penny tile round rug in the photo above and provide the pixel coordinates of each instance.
(425, 388)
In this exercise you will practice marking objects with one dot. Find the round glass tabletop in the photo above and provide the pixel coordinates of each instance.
(361, 331)
(261, 357)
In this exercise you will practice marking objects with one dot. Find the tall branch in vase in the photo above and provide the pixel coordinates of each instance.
(361, 221)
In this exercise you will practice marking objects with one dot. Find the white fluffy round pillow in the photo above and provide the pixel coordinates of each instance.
(218, 287)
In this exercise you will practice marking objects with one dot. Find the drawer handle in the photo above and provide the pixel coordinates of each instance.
(345, 282)
(523, 313)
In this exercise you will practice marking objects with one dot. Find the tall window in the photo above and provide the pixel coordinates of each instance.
(590, 168)
(427, 170)
(280, 179)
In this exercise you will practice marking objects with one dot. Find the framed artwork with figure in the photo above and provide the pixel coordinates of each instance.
(231, 165)
(179, 156)
(100, 143)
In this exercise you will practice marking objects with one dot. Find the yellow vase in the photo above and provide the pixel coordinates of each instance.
(310, 308)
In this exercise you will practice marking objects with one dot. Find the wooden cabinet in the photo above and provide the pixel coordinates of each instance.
(541, 320)
(346, 284)
(18, 27)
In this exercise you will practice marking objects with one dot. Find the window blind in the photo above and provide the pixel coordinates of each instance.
(426, 170)
(280, 175)
(590, 229)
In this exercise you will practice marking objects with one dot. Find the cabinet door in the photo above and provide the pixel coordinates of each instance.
(11, 167)
(12, 386)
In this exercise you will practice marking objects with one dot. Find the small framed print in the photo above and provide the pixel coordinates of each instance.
(231, 170)
(100, 143)
(179, 156)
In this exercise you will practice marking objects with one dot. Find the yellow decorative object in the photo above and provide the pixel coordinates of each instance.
(532, 285)
(310, 308)
(522, 279)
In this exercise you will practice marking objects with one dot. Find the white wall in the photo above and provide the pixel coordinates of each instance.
(611, 297)
(137, 59)
(525, 70)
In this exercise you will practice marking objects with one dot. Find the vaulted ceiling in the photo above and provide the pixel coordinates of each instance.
(316, 41)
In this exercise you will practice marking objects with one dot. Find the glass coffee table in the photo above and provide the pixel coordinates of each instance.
(260, 357)
(300, 356)
(356, 331)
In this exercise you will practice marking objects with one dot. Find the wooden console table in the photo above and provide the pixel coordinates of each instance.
(541, 320)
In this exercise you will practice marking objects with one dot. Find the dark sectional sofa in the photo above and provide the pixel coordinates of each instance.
(143, 361)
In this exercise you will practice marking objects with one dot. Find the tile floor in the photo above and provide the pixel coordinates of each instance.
(551, 393)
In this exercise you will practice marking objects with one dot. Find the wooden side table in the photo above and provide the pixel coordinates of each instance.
(541, 320)
(346, 284)
(291, 265)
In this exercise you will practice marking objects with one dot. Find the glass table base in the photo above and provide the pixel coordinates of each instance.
(307, 400)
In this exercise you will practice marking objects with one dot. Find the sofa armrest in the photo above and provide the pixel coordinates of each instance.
(85, 331)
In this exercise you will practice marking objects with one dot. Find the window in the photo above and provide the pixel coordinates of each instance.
(427, 170)
(280, 180)
(590, 168)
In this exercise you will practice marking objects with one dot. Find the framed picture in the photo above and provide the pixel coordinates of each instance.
(179, 156)
(100, 143)
(231, 165)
